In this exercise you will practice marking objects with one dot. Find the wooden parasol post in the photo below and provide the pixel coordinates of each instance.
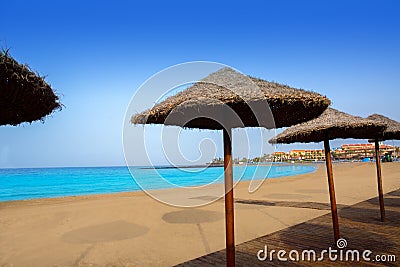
(379, 177)
(229, 208)
(329, 171)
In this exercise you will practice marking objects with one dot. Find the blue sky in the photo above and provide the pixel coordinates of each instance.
(97, 54)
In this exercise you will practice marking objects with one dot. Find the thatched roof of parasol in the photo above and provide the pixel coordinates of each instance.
(392, 131)
(24, 95)
(244, 95)
(332, 124)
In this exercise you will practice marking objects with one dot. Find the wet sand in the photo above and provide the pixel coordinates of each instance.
(133, 229)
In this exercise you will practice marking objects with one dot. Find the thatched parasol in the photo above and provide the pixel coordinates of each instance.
(332, 124)
(392, 132)
(225, 100)
(226, 87)
(24, 95)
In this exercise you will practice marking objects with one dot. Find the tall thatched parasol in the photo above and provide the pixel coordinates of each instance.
(225, 100)
(332, 124)
(392, 132)
(229, 88)
(24, 95)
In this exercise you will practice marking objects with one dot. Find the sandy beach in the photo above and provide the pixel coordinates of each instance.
(133, 229)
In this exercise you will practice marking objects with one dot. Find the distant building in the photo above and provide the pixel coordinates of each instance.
(280, 156)
(307, 154)
(344, 152)
(360, 151)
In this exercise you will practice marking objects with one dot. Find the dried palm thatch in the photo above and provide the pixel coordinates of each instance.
(392, 131)
(200, 104)
(24, 95)
(332, 124)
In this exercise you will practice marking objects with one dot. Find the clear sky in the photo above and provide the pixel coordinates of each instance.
(97, 54)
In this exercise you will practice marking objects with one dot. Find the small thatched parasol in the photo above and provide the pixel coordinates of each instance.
(392, 132)
(332, 124)
(225, 100)
(24, 95)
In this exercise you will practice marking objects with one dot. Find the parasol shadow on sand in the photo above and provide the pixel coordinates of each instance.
(392, 132)
(24, 95)
(225, 100)
(332, 124)
(106, 232)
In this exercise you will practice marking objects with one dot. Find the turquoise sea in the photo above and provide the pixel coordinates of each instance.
(30, 183)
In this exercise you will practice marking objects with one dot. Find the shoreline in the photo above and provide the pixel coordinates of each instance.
(181, 166)
(147, 192)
